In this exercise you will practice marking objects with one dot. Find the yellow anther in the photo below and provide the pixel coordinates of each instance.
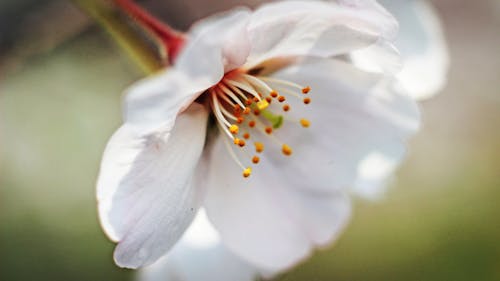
(255, 159)
(241, 143)
(246, 135)
(286, 107)
(259, 147)
(281, 98)
(306, 90)
(307, 100)
(247, 172)
(236, 141)
(234, 129)
(273, 94)
(286, 150)
(305, 123)
(263, 104)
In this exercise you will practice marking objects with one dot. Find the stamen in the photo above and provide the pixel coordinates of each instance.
(305, 123)
(287, 150)
(234, 129)
(241, 143)
(269, 99)
(255, 159)
(273, 94)
(244, 86)
(247, 172)
(282, 82)
(251, 124)
(286, 107)
(246, 135)
(263, 104)
(307, 100)
(259, 147)
(246, 110)
(306, 90)
(281, 98)
(269, 130)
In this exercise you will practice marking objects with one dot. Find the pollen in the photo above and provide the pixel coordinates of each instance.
(269, 99)
(287, 150)
(248, 102)
(255, 159)
(259, 147)
(263, 104)
(256, 99)
(306, 90)
(234, 129)
(305, 123)
(247, 172)
(307, 100)
(241, 142)
(236, 141)
(246, 135)
(286, 107)
(246, 110)
(251, 124)
(269, 130)
(273, 94)
(240, 120)
(281, 98)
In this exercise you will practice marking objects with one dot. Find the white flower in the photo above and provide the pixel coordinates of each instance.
(184, 143)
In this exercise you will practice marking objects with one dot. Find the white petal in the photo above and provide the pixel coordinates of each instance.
(298, 28)
(146, 199)
(265, 219)
(215, 45)
(352, 113)
(199, 255)
(423, 47)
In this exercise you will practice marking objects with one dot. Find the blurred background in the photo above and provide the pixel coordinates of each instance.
(60, 84)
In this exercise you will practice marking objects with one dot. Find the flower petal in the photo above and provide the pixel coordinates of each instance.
(353, 113)
(264, 219)
(146, 199)
(423, 47)
(314, 28)
(215, 45)
(199, 255)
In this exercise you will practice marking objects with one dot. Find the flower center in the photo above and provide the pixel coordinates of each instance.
(241, 104)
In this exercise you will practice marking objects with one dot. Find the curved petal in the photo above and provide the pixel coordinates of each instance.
(314, 28)
(423, 47)
(353, 113)
(199, 255)
(264, 219)
(146, 199)
(215, 45)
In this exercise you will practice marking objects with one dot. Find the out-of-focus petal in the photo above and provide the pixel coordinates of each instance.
(422, 45)
(146, 199)
(199, 255)
(314, 28)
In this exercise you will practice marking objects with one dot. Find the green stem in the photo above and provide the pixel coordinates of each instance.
(134, 46)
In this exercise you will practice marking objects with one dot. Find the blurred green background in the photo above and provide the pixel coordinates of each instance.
(60, 101)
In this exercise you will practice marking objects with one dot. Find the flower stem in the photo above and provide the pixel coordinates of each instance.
(123, 35)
